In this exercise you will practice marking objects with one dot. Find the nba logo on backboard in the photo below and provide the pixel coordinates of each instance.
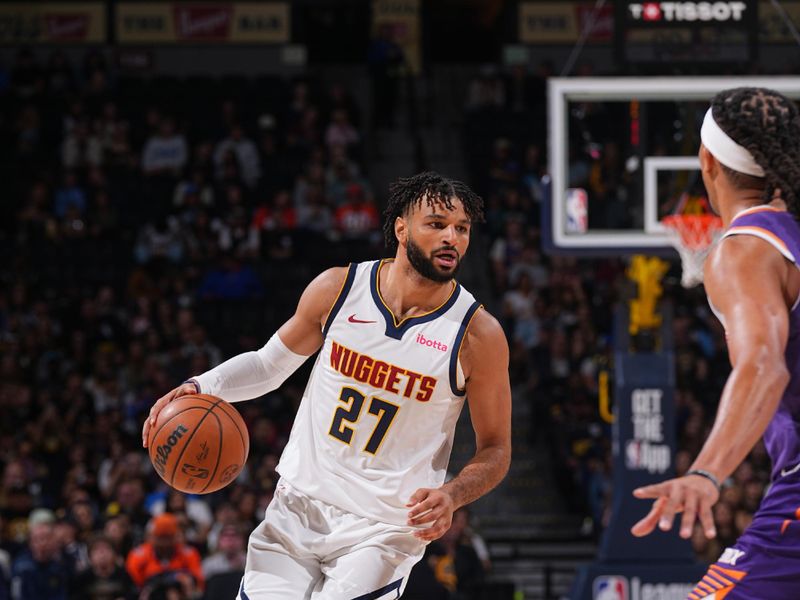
(577, 207)
(610, 587)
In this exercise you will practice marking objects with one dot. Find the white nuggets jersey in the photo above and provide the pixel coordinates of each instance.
(377, 418)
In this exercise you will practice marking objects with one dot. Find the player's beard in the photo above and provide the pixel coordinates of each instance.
(425, 266)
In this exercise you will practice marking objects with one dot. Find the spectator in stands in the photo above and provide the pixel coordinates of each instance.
(231, 279)
(505, 250)
(518, 308)
(164, 552)
(17, 498)
(117, 530)
(35, 221)
(229, 555)
(193, 192)
(529, 264)
(316, 215)
(160, 239)
(128, 500)
(165, 152)
(339, 98)
(70, 196)
(245, 152)
(532, 172)
(82, 148)
(73, 549)
(29, 132)
(40, 573)
(340, 131)
(106, 578)
(224, 514)
(195, 509)
(60, 77)
(456, 564)
(423, 583)
(341, 173)
(358, 217)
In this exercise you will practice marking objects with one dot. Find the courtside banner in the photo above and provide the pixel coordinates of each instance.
(658, 581)
(202, 23)
(53, 23)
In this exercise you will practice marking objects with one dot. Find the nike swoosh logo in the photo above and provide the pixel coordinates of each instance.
(352, 319)
(785, 472)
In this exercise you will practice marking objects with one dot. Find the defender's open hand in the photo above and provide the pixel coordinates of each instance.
(692, 495)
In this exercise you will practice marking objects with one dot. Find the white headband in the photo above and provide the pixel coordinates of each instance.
(726, 151)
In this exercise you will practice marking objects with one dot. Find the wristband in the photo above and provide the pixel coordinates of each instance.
(194, 383)
(707, 475)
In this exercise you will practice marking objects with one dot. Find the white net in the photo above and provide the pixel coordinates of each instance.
(693, 236)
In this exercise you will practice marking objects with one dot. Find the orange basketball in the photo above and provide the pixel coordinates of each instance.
(199, 444)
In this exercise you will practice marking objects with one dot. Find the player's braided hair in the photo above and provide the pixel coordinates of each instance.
(767, 124)
(409, 191)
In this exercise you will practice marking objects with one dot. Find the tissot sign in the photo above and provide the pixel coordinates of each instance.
(669, 33)
(676, 12)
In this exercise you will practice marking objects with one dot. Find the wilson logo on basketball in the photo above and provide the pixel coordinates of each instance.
(163, 451)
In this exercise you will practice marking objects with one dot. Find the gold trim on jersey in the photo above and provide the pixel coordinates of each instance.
(404, 319)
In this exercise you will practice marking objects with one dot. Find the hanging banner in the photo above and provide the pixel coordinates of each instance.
(652, 33)
(53, 23)
(401, 19)
(562, 22)
(202, 23)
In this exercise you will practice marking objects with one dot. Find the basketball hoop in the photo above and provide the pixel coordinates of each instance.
(692, 236)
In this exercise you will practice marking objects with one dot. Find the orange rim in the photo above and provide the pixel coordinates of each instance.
(694, 231)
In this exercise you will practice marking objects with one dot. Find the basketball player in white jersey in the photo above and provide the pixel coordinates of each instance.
(401, 345)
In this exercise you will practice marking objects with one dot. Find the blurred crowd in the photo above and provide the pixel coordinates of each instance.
(558, 312)
(153, 226)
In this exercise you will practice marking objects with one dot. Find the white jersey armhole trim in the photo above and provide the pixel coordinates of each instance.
(759, 233)
(797, 300)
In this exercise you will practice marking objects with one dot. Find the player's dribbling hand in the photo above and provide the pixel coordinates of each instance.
(694, 496)
(182, 390)
(428, 506)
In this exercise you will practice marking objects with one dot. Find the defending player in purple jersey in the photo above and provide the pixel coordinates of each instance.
(750, 163)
